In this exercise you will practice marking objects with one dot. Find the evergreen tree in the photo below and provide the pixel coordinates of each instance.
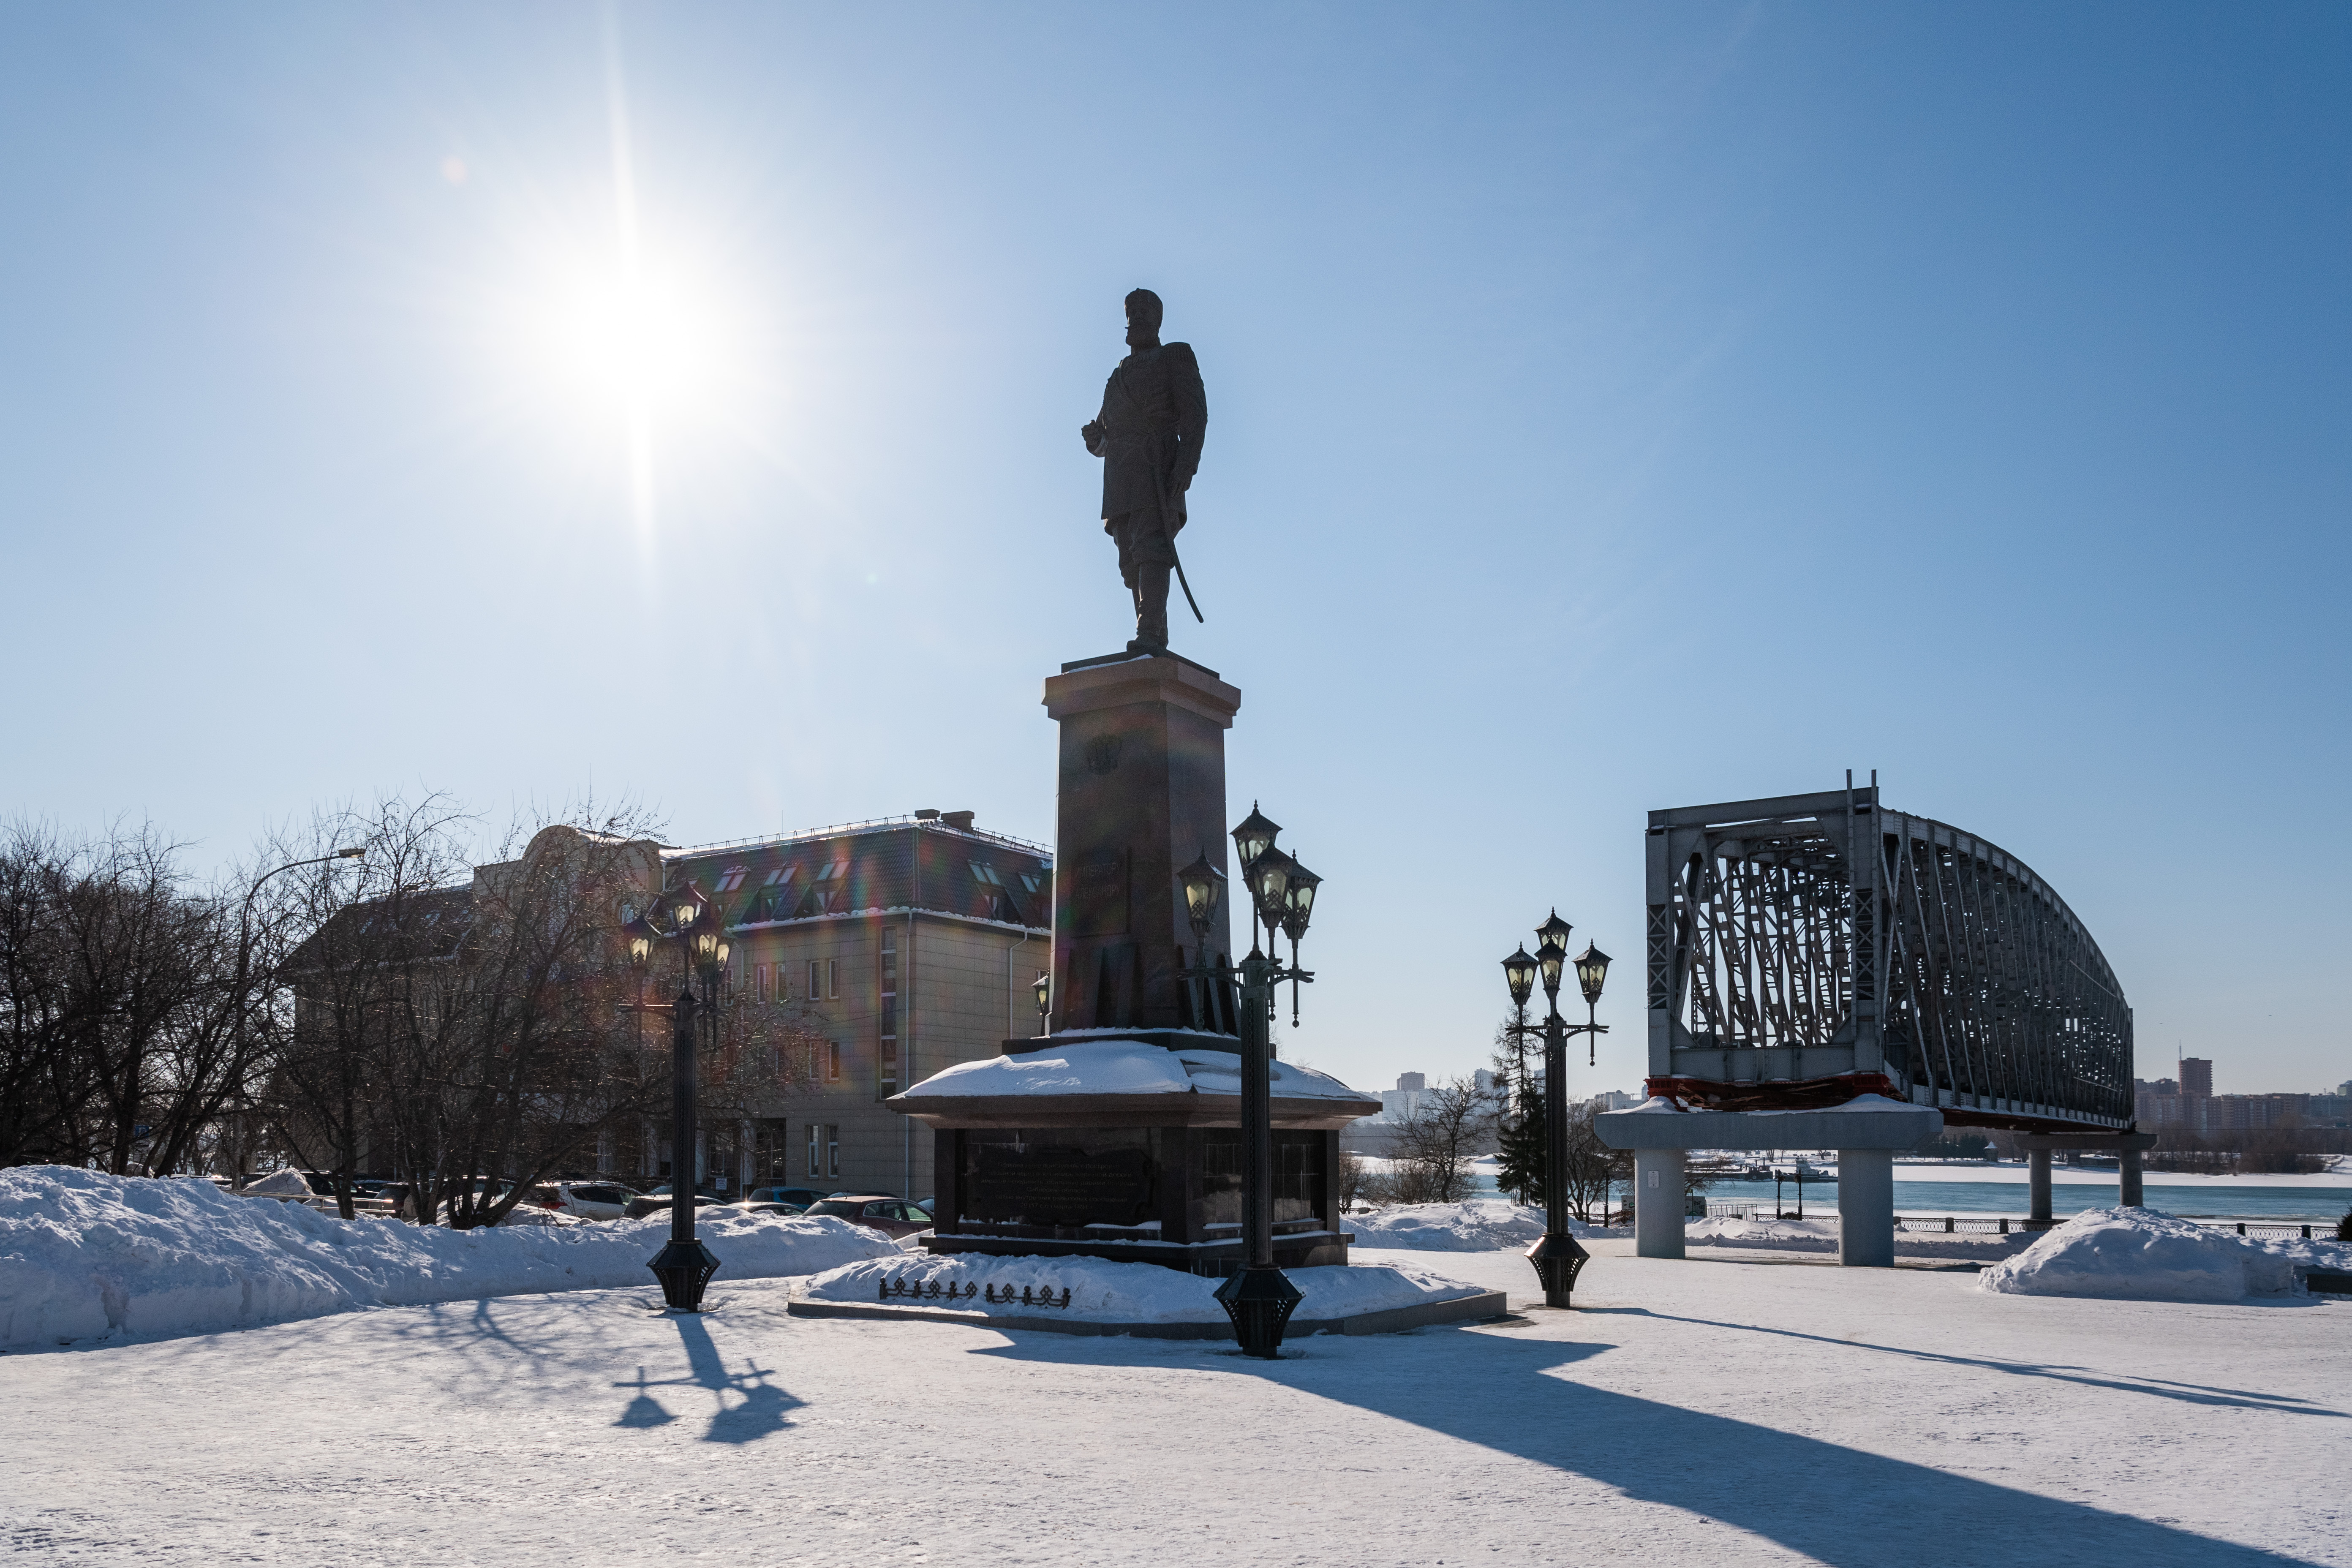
(1520, 1143)
(1521, 1167)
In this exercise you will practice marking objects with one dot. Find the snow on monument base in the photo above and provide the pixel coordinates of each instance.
(2139, 1255)
(1096, 1296)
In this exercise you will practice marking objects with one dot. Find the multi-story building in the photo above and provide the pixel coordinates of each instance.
(2197, 1077)
(895, 949)
(2166, 1104)
(862, 959)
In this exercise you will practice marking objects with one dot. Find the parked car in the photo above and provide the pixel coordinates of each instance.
(892, 1216)
(582, 1200)
(658, 1202)
(798, 1197)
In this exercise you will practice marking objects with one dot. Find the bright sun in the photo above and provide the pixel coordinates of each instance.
(641, 341)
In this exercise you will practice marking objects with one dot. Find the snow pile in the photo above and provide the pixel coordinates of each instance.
(84, 1254)
(1105, 1292)
(1480, 1225)
(1797, 1235)
(2139, 1255)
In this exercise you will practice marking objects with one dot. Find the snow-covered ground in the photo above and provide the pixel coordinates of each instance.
(86, 1256)
(1754, 1409)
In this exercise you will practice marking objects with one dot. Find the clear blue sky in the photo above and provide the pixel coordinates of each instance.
(1610, 407)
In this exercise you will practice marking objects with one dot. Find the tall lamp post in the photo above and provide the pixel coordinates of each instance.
(684, 917)
(1259, 1297)
(1557, 1258)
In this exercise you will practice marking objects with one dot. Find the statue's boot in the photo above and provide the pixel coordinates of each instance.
(1151, 606)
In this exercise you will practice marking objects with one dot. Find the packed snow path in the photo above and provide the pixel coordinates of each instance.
(1717, 1410)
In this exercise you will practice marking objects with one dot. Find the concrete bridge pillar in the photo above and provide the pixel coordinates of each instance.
(1866, 1207)
(1658, 1202)
(2129, 1196)
(2037, 1184)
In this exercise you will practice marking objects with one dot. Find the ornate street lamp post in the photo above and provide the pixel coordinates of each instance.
(684, 917)
(1259, 1297)
(1557, 1258)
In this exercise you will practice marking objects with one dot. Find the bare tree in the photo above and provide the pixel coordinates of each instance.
(1589, 1167)
(1453, 1124)
(478, 1035)
(127, 999)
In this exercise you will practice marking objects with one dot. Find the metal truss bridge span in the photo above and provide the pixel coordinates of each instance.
(1808, 948)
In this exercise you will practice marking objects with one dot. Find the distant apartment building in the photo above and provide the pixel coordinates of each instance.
(2171, 1105)
(1399, 1104)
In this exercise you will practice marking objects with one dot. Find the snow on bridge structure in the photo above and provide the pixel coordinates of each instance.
(1824, 973)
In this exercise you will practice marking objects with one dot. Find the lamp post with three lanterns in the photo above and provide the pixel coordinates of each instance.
(1259, 1297)
(682, 916)
(1557, 1258)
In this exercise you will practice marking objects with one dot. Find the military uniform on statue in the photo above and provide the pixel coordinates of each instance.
(1154, 412)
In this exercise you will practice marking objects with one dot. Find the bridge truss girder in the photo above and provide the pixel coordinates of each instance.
(1805, 939)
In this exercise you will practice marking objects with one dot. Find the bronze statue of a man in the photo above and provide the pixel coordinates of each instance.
(1154, 412)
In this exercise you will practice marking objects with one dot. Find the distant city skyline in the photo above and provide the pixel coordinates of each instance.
(1611, 408)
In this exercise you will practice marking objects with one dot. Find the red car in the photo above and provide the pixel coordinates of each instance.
(892, 1216)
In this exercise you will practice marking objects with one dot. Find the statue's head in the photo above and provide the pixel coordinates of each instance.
(1142, 320)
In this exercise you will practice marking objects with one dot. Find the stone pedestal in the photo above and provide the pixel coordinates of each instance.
(1142, 792)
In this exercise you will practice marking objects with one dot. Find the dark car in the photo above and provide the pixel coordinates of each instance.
(892, 1216)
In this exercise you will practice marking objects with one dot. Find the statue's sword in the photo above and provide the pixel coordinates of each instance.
(1187, 586)
(1165, 512)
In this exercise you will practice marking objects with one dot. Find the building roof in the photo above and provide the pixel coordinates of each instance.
(424, 924)
(868, 868)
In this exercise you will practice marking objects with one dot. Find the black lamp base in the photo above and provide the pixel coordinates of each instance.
(1557, 1261)
(684, 1267)
(1259, 1302)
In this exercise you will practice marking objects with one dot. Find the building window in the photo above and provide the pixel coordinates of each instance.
(759, 980)
(815, 1150)
(833, 1061)
(831, 979)
(886, 1057)
(985, 875)
(769, 1163)
(814, 989)
(779, 877)
(833, 1150)
(733, 877)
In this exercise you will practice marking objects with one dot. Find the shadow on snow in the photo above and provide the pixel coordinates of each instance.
(758, 1410)
(1843, 1505)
